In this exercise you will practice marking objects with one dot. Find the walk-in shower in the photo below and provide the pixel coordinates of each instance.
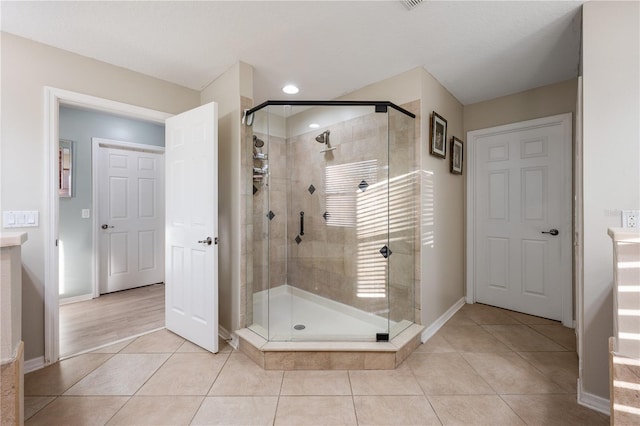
(331, 235)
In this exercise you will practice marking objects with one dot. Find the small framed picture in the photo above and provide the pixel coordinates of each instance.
(456, 156)
(438, 143)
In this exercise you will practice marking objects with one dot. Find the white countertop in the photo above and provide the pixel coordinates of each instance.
(10, 239)
(631, 235)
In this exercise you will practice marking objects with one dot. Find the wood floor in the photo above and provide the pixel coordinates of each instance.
(110, 317)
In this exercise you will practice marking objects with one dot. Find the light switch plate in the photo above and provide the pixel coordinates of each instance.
(86, 213)
(20, 219)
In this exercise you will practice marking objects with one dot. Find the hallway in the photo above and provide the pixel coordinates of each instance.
(110, 317)
(486, 366)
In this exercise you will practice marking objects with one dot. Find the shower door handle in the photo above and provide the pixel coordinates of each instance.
(301, 223)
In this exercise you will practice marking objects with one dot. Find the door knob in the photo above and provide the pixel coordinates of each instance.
(206, 242)
(551, 231)
(105, 226)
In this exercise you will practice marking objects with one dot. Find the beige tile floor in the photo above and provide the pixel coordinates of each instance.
(486, 366)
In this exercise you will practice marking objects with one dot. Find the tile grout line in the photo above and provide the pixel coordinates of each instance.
(461, 353)
(146, 381)
(154, 371)
(542, 372)
(566, 349)
(275, 413)
(424, 394)
(549, 338)
(218, 375)
(512, 410)
(204, 398)
(517, 352)
(511, 350)
(476, 371)
(119, 409)
(353, 399)
(42, 408)
(86, 375)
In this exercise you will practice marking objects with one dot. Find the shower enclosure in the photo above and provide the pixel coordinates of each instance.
(331, 235)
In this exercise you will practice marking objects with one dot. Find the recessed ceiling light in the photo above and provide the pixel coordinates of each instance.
(290, 89)
(314, 125)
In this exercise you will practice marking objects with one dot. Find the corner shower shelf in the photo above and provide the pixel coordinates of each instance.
(329, 355)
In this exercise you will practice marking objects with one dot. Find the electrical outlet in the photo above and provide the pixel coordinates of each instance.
(630, 218)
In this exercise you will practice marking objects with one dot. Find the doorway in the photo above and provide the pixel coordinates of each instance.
(126, 189)
(54, 99)
(192, 162)
(519, 227)
(113, 318)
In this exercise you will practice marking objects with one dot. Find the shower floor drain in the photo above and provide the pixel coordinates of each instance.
(299, 326)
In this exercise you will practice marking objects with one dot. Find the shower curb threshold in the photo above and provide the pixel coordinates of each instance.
(325, 355)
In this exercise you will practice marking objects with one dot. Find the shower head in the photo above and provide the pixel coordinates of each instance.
(257, 142)
(323, 137)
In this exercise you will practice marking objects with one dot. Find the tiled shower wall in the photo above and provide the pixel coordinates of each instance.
(343, 194)
(269, 215)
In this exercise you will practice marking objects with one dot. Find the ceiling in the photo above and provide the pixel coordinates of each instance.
(478, 50)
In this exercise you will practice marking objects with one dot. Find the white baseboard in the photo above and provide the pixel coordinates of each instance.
(75, 299)
(224, 333)
(592, 401)
(33, 364)
(437, 324)
(231, 338)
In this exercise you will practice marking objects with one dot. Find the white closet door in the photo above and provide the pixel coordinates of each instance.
(131, 217)
(522, 225)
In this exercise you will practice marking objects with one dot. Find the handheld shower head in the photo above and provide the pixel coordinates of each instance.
(323, 137)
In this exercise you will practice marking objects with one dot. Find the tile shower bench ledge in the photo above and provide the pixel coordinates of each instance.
(329, 355)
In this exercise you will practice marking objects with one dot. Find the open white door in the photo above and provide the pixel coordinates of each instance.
(191, 161)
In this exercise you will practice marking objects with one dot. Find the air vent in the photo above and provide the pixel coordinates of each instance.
(410, 4)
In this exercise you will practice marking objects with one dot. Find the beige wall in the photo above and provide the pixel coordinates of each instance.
(26, 68)
(227, 91)
(443, 232)
(441, 268)
(535, 103)
(611, 159)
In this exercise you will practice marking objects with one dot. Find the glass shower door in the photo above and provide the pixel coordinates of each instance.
(337, 239)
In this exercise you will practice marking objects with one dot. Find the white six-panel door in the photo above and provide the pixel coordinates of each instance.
(131, 218)
(191, 153)
(521, 190)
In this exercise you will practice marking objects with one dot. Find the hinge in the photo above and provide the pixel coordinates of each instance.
(382, 337)
(56, 243)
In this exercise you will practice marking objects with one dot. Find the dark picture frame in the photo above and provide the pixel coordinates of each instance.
(438, 136)
(457, 155)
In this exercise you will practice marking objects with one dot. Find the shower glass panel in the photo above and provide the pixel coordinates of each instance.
(331, 253)
(403, 196)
